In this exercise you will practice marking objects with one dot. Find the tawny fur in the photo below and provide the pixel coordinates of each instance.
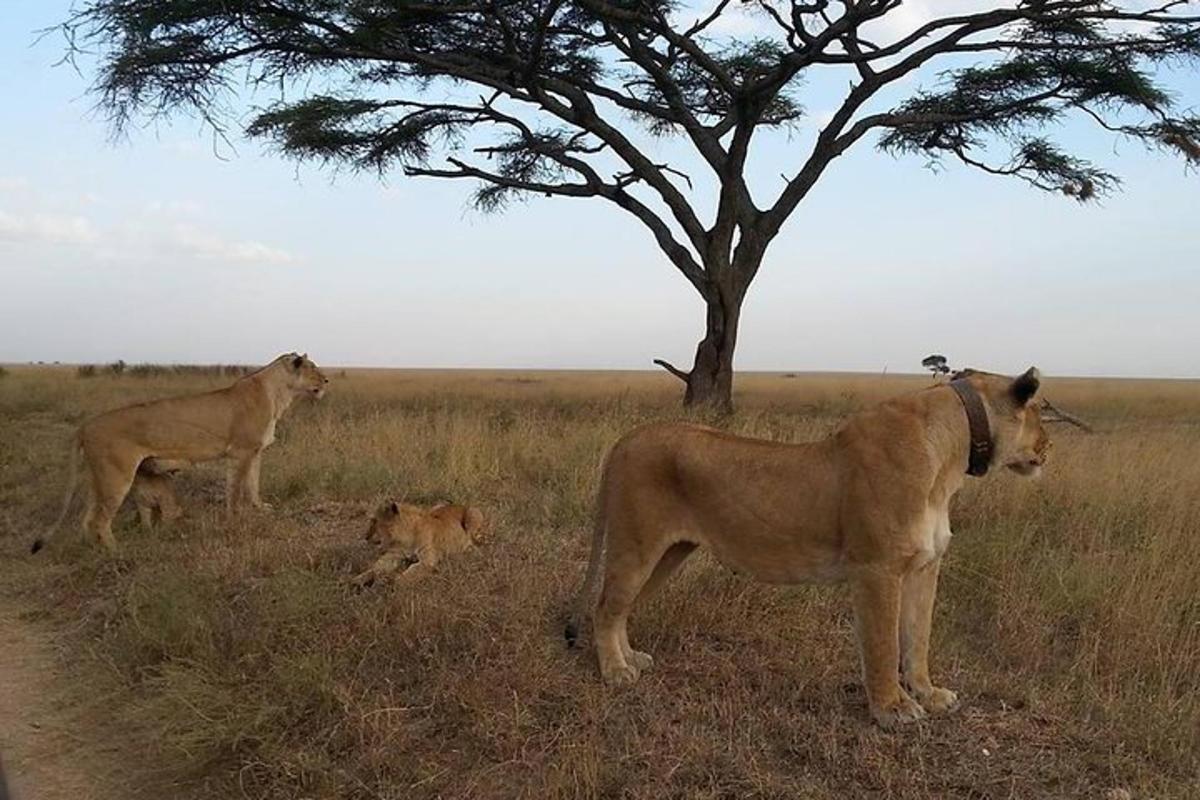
(153, 493)
(868, 506)
(406, 531)
(235, 423)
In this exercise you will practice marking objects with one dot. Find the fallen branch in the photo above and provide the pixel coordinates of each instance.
(671, 368)
(1058, 415)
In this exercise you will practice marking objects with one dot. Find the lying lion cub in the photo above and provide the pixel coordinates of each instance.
(406, 531)
(868, 506)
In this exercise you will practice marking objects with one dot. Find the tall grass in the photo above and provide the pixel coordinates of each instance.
(244, 665)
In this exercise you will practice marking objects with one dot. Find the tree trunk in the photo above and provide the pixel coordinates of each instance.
(710, 380)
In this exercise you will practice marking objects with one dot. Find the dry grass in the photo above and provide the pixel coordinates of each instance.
(241, 665)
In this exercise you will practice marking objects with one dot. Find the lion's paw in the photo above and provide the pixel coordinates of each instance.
(639, 660)
(939, 701)
(620, 675)
(902, 712)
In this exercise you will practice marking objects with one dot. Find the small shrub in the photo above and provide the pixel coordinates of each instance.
(86, 371)
(146, 370)
(117, 367)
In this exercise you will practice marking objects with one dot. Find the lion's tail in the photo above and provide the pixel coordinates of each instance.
(72, 490)
(586, 597)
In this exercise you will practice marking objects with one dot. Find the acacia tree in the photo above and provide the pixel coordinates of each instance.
(555, 98)
(936, 363)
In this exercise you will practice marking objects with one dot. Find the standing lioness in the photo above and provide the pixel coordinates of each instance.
(869, 505)
(237, 423)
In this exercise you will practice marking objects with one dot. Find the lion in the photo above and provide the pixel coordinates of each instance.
(235, 423)
(868, 506)
(406, 531)
(153, 493)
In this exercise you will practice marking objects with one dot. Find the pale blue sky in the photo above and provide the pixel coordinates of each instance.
(153, 249)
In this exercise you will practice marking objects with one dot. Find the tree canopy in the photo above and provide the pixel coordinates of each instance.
(554, 97)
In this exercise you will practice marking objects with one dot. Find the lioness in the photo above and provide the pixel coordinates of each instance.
(405, 531)
(153, 493)
(869, 506)
(237, 423)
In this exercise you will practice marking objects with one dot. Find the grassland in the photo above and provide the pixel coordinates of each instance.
(230, 659)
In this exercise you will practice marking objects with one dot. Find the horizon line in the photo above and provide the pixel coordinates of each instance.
(648, 371)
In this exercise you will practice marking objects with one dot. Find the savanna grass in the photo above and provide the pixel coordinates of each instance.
(239, 662)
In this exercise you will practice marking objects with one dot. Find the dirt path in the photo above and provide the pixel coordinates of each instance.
(44, 757)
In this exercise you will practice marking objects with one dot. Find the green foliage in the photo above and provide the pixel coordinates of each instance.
(1059, 63)
(384, 69)
(356, 131)
(702, 91)
(526, 158)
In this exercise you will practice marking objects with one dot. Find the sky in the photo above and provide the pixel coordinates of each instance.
(167, 247)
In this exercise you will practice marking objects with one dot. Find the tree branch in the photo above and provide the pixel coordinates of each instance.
(1058, 415)
(671, 368)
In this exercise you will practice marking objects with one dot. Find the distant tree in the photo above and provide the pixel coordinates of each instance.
(548, 97)
(936, 364)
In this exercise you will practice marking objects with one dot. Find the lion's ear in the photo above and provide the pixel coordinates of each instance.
(297, 362)
(1025, 386)
(394, 508)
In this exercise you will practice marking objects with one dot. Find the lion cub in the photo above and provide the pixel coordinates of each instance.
(406, 531)
(153, 493)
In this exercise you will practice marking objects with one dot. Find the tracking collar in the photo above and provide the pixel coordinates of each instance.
(981, 437)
